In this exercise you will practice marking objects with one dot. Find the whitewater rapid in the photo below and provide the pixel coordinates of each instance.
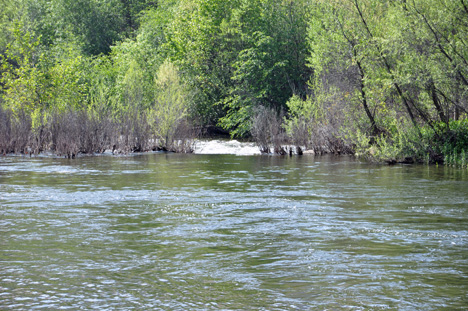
(226, 147)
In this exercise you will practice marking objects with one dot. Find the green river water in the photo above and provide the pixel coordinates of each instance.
(225, 232)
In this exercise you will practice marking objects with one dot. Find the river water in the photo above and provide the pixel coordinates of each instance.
(226, 232)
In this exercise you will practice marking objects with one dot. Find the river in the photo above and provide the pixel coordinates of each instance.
(226, 232)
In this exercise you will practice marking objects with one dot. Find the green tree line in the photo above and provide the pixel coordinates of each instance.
(385, 79)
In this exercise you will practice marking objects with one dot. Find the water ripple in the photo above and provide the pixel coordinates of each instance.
(201, 232)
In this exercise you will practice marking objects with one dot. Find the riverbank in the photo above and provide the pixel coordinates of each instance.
(198, 146)
(224, 146)
(77, 133)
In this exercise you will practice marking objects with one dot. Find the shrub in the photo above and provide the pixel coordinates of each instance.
(267, 130)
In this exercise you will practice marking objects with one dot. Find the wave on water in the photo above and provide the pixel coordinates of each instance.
(226, 147)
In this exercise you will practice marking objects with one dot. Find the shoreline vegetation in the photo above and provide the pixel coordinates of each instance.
(72, 133)
(384, 80)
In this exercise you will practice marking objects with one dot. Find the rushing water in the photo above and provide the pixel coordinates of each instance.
(226, 232)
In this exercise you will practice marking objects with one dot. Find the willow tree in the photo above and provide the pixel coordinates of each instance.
(347, 70)
(440, 37)
(170, 106)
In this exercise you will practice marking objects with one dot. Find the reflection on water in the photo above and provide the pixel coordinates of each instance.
(222, 232)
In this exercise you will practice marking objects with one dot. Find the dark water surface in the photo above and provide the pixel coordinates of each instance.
(223, 232)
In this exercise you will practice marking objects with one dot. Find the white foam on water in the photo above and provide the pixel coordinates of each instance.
(226, 147)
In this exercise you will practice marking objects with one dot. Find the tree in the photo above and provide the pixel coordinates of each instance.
(171, 104)
(24, 80)
(239, 54)
(92, 25)
(7, 15)
(34, 80)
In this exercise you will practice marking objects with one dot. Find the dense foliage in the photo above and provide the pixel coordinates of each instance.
(385, 79)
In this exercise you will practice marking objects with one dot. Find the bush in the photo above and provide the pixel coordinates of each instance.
(267, 130)
(404, 143)
(72, 132)
(15, 130)
(310, 126)
(452, 142)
